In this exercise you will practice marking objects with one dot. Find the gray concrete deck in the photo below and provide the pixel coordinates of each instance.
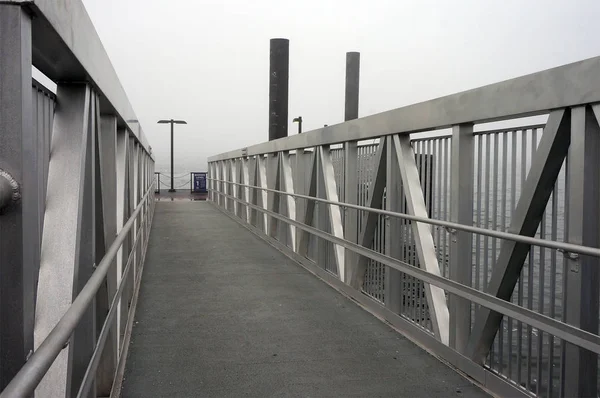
(222, 313)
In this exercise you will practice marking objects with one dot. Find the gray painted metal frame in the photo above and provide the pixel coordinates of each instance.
(396, 177)
(19, 223)
(402, 149)
(80, 172)
(525, 221)
(564, 331)
(69, 49)
(534, 94)
(425, 340)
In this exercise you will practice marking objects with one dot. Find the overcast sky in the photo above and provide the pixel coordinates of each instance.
(208, 61)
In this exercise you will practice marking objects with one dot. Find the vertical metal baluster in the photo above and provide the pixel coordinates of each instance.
(429, 178)
(513, 204)
(523, 158)
(428, 201)
(486, 217)
(504, 196)
(541, 286)
(438, 191)
(359, 188)
(530, 282)
(419, 304)
(379, 249)
(552, 302)
(494, 254)
(403, 251)
(565, 237)
(446, 141)
(479, 171)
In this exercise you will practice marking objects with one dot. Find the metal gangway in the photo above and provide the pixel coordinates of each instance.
(468, 225)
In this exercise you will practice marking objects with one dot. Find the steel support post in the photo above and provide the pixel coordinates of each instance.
(351, 197)
(172, 160)
(580, 366)
(310, 205)
(260, 180)
(123, 213)
(245, 191)
(287, 185)
(107, 176)
(83, 340)
(526, 218)
(356, 275)
(19, 222)
(233, 189)
(320, 212)
(300, 188)
(69, 235)
(393, 277)
(333, 212)
(461, 211)
(425, 247)
(272, 197)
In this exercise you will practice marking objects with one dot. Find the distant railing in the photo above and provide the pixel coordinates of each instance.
(195, 181)
(78, 168)
(482, 246)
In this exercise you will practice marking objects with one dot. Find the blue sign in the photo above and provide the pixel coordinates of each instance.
(199, 180)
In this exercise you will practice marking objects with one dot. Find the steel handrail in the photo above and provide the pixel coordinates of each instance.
(90, 372)
(562, 246)
(34, 370)
(564, 331)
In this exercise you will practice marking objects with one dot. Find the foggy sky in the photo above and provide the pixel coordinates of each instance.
(208, 61)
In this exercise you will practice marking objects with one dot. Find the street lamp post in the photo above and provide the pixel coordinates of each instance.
(299, 120)
(172, 122)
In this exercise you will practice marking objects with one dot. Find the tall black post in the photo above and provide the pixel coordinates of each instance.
(278, 88)
(172, 171)
(352, 83)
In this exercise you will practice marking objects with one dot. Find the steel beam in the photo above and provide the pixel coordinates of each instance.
(68, 48)
(66, 241)
(415, 203)
(334, 211)
(393, 231)
(83, 340)
(534, 94)
(461, 211)
(356, 275)
(273, 198)
(351, 197)
(107, 184)
(580, 366)
(287, 185)
(20, 222)
(309, 208)
(233, 188)
(260, 180)
(123, 213)
(245, 175)
(526, 218)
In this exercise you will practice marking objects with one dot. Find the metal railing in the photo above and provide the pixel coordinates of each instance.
(74, 231)
(480, 245)
(36, 367)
